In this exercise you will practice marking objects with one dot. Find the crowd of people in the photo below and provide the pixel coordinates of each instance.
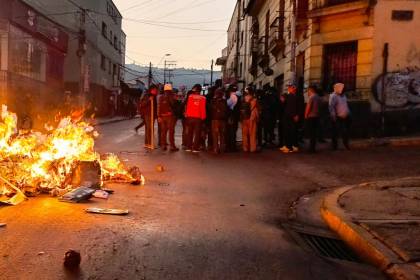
(211, 121)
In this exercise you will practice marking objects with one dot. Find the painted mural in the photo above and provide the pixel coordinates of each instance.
(402, 89)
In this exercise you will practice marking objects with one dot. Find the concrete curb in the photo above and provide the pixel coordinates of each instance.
(386, 142)
(362, 242)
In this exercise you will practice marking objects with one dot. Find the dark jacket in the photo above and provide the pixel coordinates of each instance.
(218, 109)
(145, 106)
(293, 106)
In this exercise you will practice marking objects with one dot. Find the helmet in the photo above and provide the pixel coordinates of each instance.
(167, 87)
(197, 88)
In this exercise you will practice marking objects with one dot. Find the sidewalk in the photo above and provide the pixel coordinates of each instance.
(381, 222)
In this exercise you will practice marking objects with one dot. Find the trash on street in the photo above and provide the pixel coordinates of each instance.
(78, 195)
(107, 211)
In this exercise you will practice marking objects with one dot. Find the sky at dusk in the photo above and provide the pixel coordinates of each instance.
(192, 31)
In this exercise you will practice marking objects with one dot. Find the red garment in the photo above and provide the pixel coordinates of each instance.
(196, 107)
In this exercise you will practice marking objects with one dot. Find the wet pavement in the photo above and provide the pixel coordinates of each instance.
(205, 217)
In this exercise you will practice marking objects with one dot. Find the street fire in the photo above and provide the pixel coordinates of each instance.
(34, 162)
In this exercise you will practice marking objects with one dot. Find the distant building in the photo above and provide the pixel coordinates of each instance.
(105, 48)
(329, 41)
(32, 54)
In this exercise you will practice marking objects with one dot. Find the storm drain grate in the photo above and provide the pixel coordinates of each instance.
(329, 247)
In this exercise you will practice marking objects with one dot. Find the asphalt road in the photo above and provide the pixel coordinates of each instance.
(205, 217)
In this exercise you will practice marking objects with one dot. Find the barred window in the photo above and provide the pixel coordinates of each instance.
(340, 65)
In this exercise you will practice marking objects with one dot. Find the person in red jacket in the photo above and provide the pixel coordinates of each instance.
(195, 114)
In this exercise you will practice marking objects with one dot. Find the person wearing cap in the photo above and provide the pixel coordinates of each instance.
(249, 119)
(340, 116)
(291, 119)
(195, 114)
(167, 118)
(312, 116)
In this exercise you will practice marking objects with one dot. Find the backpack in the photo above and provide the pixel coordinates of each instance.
(164, 105)
(245, 110)
(218, 109)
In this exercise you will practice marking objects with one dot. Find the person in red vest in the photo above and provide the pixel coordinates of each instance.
(195, 114)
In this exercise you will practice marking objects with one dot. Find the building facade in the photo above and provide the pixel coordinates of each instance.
(93, 69)
(32, 53)
(327, 41)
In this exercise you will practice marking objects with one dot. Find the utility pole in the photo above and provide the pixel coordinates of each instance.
(167, 71)
(81, 54)
(164, 73)
(385, 56)
(211, 74)
(150, 76)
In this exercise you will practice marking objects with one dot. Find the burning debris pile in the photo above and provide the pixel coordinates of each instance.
(54, 162)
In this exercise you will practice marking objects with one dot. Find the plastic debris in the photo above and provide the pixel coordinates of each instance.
(101, 194)
(107, 211)
(160, 168)
(78, 195)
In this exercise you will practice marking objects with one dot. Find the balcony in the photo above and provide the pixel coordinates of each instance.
(276, 43)
(322, 8)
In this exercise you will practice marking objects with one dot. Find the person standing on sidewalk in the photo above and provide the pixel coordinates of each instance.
(195, 114)
(340, 116)
(167, 118)
(249, 118)
(233, 102)
(219, 111)
(312, 116)
(148, 106)
(291, 120)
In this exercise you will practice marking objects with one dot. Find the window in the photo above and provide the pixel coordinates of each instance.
(109, 67)
(114, 70)
(340, 65)
(115, 42)
(104, 29)
(242, 38)
(110, 36)
(27, 55)
(103, 62)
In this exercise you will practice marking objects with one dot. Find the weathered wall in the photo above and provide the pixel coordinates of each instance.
(344, 27)
(402, 85)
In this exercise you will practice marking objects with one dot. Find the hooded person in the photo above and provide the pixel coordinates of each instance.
(167, 118)
(340, 116)
(148, 110)
(195, 114)
(219, 114)
(249, 118)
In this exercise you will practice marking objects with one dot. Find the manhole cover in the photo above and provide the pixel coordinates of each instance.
(325, 245)
(328, 247)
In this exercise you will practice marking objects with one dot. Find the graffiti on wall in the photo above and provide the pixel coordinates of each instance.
(402, 89)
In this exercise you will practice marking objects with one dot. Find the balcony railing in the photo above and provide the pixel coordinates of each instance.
(318, 4)
(321, 8)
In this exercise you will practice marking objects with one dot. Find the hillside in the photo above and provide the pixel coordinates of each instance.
(179, 76)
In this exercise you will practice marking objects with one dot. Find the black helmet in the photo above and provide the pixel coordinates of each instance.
(197, 88)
